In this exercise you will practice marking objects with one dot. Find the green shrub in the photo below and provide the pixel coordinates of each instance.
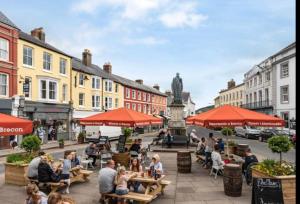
(227, 131)
(127, 132)
(279, 144)
(231, 143)
(81, 134)
(31, 143)
(61, 141)
(19, 158)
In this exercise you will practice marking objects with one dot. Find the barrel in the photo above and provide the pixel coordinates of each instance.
(122, 158)
(184, 161)
(241, 149)
(233, 180)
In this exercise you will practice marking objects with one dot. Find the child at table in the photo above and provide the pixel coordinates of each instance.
(121, 183)
(65, 174)
(135, 167)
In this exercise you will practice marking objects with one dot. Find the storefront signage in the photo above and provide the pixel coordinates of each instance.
(26, 88)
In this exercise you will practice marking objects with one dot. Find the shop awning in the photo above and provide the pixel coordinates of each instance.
(232, 116)
(10, 125)
(120, 117)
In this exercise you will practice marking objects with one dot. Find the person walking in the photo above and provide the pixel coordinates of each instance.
(209, 148)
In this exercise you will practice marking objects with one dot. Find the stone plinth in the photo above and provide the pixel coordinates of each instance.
(177, 123)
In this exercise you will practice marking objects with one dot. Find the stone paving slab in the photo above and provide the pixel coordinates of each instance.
(196, 187)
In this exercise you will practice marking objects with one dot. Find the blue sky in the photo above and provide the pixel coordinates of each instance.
(207, 41)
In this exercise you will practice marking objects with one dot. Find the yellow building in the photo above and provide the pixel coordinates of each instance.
(44, 79)
(94, 90)
(233, 95)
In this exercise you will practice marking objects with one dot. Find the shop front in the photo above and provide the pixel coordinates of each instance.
(51, 121)
(6, 108)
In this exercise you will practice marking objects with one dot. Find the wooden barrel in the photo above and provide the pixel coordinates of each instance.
(184, 161)
(241, 149)
(122, 158)
(233, 180)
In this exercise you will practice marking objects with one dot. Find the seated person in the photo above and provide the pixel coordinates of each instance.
(74, 161)
(65, 174)
(135, 167)
(250, 158)
(135, 146)
(161, 134)
(46, 173)
(34, 195)
(200, 150)
(216, 158)
(221, 145)
(156, 165)
(194, 137)
(32, 172)
(91, 152)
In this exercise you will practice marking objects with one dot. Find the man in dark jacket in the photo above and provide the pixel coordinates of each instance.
(91, 152)
(45, 172)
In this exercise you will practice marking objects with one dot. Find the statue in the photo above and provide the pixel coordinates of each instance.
(177, 89)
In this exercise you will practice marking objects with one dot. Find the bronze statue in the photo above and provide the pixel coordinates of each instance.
(177, 89)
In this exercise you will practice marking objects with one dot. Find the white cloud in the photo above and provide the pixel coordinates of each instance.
(144, 41)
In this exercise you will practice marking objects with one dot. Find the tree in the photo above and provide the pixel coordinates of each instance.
(31, 143)
(279, 144)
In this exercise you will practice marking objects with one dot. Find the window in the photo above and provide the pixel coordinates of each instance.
(267, 94)
(139, 107)
(62, 66)
(284, 94)
(27, 87)
(255, 97)
(284, 70)
(145, 109)
(148, 97)
(48, 89)
(144, 97)
(116, 88)
(139, 95)
(81, 79)
(27, 56)
(250, 98)
(233, 96)
(268, 76)
(108, 85)
(247, 84)
(260, 79)
(133, 106)
(285, 117)
(95, 101)
(133, 94)
(64, 93)
(255, 81)
(3, 84)
(47, 60)
(108, 103)
(241, 94)
(4, 49)
(250, 83)
(128, 105)
(260, 96)
(95, 82)
(81, 99)
(116, 102)
(127, 93)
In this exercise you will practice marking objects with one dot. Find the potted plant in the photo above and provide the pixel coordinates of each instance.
(61, 143)
(17, 164)
(282, 170)
(80, 138)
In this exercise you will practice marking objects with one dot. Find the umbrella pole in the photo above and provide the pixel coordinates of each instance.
(227, 150)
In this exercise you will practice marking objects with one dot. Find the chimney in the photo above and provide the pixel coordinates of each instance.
(107, 67)
(168, 92)
(38, 33)
(87, 57)
(156, 86)
(231, 84)
(140, 81)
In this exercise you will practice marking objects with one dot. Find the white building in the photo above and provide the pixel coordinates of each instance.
(284, 72)
(258, 88)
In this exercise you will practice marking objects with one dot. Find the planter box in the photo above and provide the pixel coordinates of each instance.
(288, 185)
(16, 174)
(231, 150)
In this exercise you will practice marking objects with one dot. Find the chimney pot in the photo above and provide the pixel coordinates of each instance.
(156, 86)
(107, 67)
(38, 33)
(87, 57)
(231, 84)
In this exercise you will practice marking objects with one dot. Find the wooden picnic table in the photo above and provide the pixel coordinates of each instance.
(148, 182)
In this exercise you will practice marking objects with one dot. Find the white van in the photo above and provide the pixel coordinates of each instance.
(112, 132)
(247, 132)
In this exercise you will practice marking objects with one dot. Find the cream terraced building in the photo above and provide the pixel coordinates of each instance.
(233, 95)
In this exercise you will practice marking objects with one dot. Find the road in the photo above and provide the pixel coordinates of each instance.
(260, 149)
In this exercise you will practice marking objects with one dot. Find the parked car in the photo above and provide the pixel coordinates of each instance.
(247, 132)
(112, 132)
(267, 133)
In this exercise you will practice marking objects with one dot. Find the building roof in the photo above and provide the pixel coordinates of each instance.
(204, 109)
(224, 90)
(96, 70)
(186, 96)
(7, 21)
(31, 39)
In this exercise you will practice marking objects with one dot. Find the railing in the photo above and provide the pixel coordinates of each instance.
(258, 104)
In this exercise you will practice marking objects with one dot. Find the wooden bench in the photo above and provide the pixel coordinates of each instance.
(53, 186)
(79, 175)
(142, 198)
(163, 184)
(200, 158)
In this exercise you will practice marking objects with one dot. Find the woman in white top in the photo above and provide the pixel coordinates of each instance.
(216, 158)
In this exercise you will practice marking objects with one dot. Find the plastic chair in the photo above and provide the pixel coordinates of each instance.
(216, 168)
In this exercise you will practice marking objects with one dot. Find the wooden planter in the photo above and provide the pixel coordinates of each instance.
(231, 149)
(16, 174)
(288, 185)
